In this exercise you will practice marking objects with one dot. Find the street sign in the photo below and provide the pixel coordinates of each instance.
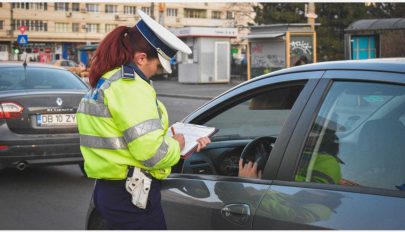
(22, 29)
(22, 39)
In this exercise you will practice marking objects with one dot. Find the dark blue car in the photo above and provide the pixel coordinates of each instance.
(38, 106)
(329, 138)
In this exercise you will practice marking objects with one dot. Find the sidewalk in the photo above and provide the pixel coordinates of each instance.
(172, 88)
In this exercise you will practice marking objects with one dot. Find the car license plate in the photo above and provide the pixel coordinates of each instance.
(50, 120)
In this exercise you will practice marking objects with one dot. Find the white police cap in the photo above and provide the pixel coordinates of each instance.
(164, 41)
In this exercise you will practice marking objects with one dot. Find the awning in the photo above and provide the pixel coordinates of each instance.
(265, 35)
(377, 24)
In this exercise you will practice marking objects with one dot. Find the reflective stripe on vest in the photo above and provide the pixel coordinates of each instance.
(322, 176)
(119, 143)
(142, 128)
(93, 108)
(104, 143)
(158, 156)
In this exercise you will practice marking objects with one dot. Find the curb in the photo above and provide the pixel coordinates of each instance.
(185, 96)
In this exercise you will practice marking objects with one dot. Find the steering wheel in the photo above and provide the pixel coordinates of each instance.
(258, 151)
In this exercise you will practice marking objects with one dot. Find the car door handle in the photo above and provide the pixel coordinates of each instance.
(237, 213)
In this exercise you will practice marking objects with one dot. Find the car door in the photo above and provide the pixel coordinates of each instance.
(344, 165)
(206, 193)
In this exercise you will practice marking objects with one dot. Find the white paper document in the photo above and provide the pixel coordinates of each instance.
(191, 133)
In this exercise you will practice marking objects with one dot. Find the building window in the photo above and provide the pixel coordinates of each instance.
(61, 27)
(195, 13)
(75, 27)
(38, 5)
(110, 9)
(230, 15)
(1, 25)
(61, 6)
(3, 48)
(92, 7)
(110, 27)
(216, 14)
(171, 12)
(92, 27)
(32, 25)
(75, 6)
(1, 4)
(130, 10)
(147, 10)
(21, 5)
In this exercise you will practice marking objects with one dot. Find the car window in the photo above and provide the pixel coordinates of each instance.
(262, 114)
(38, 78)
(358, 137)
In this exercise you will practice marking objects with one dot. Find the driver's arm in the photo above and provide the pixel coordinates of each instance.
(249, 170)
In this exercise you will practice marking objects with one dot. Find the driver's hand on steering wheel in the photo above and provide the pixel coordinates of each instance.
(202, 143)
(249, 170)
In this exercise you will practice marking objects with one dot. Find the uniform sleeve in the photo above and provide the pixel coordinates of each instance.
(132, 104)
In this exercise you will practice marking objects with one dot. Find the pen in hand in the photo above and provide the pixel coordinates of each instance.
(179, 138)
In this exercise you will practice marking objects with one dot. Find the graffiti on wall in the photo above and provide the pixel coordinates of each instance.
(267, 55)
(301, 45)
(301, 49)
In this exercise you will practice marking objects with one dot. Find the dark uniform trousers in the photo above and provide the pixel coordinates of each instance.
(114, 204)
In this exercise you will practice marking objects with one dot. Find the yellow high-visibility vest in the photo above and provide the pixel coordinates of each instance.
(121, 123)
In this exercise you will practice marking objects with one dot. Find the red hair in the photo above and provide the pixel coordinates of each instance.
(116, 49)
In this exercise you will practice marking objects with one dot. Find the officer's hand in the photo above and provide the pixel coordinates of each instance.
(202, 143)
(249, 170)
(347, 182)
(180, 139)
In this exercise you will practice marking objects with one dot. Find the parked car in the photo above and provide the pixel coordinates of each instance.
(66, 64)
(328, 137)
(37, 115)
(78, 69)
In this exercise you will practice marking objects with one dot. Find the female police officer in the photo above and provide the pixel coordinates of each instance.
(123, 126)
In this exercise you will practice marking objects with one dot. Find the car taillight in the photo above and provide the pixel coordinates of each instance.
(10, 110)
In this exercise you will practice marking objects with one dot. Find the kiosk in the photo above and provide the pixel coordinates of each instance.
(375, 38)
(277, 46)
(210, 61)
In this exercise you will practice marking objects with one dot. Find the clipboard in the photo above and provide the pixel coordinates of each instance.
(191, 133)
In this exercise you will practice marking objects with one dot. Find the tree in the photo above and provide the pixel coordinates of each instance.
(334, 18)
(274, 13)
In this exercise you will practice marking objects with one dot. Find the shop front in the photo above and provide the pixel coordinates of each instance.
(210, 61)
